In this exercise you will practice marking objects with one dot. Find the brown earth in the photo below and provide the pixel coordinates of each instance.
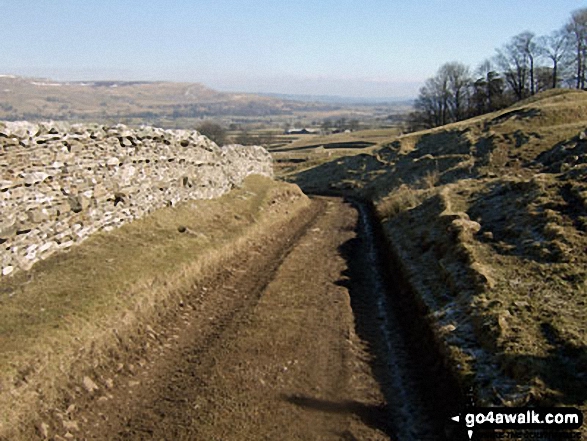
(268, 349)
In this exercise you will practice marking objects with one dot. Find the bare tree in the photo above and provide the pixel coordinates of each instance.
(517, 59)
(444, 98)
(554, 47)
(438, 87)
(428, 109)
(514, 65)
(431, 105)
(527, 45)
(576, 30)
(458, 81)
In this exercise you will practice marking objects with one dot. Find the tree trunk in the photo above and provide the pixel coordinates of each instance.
(583, 66)
(554, 74)
(532, 91)
(579, 67)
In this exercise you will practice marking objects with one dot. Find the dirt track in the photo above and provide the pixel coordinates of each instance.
(269, 350)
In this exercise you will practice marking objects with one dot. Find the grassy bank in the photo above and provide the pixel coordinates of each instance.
(78, 311)
(488, 218)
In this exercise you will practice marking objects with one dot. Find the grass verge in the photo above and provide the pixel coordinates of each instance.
(76, 311)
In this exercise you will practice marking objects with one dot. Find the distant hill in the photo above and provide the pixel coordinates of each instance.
(333, 99)
(36, 99)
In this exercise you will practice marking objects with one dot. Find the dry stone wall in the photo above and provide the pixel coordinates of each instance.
(60, 183)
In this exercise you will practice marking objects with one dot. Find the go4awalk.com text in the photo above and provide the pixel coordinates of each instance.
(521, 423)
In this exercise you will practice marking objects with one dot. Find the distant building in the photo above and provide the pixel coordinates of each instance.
(303, 131)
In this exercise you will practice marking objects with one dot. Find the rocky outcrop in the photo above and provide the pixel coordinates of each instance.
(60, 183)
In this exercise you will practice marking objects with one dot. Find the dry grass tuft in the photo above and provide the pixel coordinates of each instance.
(398, 201)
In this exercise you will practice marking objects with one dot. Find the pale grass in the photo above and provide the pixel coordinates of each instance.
(143, 269)
(399, 200)
(430, 179)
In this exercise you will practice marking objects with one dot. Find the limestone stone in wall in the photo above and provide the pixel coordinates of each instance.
(60, 183)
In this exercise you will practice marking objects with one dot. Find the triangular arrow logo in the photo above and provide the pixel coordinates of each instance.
(470, 432)
(456, 418)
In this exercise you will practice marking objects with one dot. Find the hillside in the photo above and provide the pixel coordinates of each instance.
(487, 219)
(162, 104)
(32, 99)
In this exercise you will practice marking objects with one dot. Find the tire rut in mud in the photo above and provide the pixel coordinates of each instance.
(306, 337)
(149, 400)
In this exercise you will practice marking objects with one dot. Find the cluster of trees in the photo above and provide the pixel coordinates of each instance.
(220, 135)
(340, 125)
(527, 64)
(213, 131)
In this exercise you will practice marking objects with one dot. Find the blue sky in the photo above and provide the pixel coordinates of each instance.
(369, 48)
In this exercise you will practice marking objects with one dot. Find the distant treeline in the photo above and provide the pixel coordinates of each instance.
(527, 64)
(258, 109)
(251, 108)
